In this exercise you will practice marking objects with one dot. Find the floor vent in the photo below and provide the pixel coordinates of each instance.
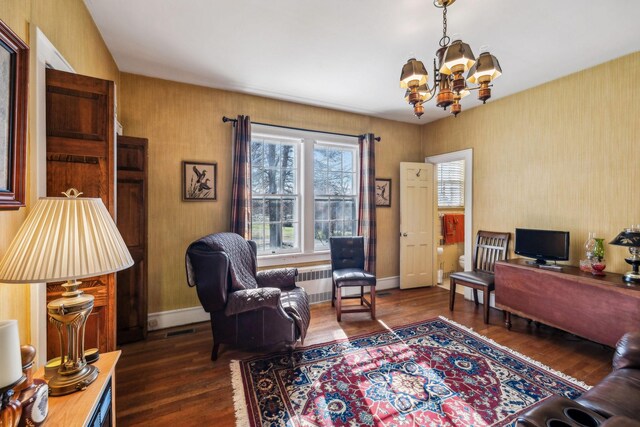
(382, 294)
(180, 332)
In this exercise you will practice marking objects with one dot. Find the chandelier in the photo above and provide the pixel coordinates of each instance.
(454, 59)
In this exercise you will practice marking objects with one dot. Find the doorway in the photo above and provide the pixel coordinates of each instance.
(466, 156)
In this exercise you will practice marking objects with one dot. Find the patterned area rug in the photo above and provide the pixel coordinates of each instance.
(433, 373)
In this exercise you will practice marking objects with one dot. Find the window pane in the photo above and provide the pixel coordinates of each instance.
(335, 160)
(349, 210)
(289, 181)
(272, 210)
(257, 211)
(322, 210)
(347, 160)
(273, 154)
(321, 238)
(257, 153)
(289, 210)
(335, 209)
(347, 183)
(349, 228)
(451, 183)
(289, 235)
(289, 157)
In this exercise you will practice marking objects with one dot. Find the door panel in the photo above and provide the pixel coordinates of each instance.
(416, 224)
(81, 154)
(132, 223)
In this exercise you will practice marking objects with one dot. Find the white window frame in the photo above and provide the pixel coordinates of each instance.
(308, 141)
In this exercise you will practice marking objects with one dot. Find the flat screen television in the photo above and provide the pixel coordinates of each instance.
(542, 245)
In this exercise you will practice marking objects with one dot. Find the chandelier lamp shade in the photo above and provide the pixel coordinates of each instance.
(67, 239)
(454, 59)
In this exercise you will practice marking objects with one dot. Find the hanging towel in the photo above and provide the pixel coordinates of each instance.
(453, 228)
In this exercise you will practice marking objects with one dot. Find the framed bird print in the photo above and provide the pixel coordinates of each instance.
(199, 181)
(383, 192)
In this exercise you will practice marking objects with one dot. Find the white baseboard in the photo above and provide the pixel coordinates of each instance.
(185, 316)
(181, 316)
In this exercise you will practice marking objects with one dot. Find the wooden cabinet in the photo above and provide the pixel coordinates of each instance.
(599, 308)
(81, 154)
(94, 406)
(132, 223)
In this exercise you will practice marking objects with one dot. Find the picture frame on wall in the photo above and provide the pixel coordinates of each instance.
(14, 75)
(383, 192)
(199, 181)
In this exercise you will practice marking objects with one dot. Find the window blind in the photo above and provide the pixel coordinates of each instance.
(451, 184)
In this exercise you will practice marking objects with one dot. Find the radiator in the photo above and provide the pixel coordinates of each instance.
(316, 280)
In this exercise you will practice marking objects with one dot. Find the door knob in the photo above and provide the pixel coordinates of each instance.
(404, 234)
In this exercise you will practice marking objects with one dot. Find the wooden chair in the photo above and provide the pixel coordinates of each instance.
(490, 247)
(347, 266)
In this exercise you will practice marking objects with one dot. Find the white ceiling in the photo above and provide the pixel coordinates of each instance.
(347, 54)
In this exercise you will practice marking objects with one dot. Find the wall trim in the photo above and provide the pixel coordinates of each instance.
(179, 317)
(186, 316)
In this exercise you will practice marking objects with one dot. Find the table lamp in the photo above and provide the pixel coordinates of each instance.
(67, 238)
(630, 237)
(10, 372)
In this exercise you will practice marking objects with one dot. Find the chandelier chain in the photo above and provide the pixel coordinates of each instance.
(444, 41)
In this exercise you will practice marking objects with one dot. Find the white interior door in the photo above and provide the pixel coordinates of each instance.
(416, 224)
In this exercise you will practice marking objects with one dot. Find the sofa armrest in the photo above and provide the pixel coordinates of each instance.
(628, 351)
(281, 278)
(253, 299)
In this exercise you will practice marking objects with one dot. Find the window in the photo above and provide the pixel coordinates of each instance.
(451, 184)
(304, 190)
(335, 196)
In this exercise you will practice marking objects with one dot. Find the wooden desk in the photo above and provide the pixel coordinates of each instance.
(77, 409)
(599, 308)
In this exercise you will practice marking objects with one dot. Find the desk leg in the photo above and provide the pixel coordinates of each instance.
(507, 319)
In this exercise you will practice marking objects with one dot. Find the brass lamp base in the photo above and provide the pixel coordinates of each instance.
(60, 384)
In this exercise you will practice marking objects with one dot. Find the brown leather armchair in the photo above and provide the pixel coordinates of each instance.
(614, 401)
(248, 308)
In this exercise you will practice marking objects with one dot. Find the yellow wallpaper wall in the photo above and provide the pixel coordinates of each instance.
(563, 155)
(70, 28)
(184, 122)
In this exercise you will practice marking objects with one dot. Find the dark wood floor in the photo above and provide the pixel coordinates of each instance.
(169, 380)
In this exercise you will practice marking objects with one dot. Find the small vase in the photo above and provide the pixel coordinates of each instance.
(597, 266)
(598, 248)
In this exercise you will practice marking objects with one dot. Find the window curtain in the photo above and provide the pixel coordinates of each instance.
(241, 188)
(367, 200)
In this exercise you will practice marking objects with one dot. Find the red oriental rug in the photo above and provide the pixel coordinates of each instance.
(432, 373)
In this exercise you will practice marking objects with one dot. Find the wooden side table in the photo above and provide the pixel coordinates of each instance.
(93, 406)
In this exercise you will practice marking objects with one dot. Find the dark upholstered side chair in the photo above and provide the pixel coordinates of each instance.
(490, 247)
(248, 308)
(347, 268)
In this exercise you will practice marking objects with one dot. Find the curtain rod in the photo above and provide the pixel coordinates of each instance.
(226, 119)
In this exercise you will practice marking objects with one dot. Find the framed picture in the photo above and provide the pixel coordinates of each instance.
(383, 192)
(14, 74)
(199, 181)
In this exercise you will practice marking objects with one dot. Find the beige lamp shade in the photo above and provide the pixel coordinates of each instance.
(413, 74)
(486, 69)
(457, 56)
(65, 238)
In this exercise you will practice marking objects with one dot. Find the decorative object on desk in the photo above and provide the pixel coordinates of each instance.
(590, 245)
(585, 265)
(630, 237)
(199, 181)
(10, 373)
(67, 238)
(598, 263)
(33, 393)
(14, 78)
(383, 192)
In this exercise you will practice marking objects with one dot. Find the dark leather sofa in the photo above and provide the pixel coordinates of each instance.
(247, 308)
(614, 401)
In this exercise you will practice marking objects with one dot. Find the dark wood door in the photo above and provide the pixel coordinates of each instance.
(132, 223)
(81, 154)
